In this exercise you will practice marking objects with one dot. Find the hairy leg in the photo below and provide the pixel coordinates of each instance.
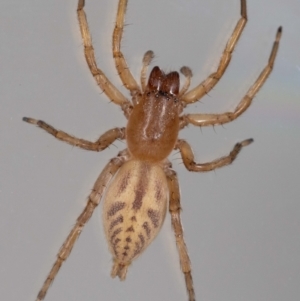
(103, 142)
(120, 62)
(93, 200)
(175, 208)
(188, 156)
(106, 86)
(204, 87)
(214, 119)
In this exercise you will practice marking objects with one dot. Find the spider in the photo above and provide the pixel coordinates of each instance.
(140, 181)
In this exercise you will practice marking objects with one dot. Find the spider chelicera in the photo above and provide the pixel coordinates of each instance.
(140, 181)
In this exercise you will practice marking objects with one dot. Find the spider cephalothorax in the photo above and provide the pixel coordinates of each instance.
(153, 125)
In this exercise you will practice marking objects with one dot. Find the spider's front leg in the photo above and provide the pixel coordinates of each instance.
(120, 62)
(106, 86)
(214, 119)
(175, 208)
(93, 200)
(188, 156)
(204, 87)
(103, 142)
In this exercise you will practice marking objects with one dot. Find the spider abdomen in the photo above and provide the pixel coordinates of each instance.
(134, 210)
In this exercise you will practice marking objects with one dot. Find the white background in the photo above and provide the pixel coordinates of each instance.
(241, 222)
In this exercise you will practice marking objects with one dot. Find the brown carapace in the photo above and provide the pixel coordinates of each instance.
(140, 181)
(153, 125)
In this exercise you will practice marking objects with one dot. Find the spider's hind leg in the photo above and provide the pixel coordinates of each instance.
(93, 200)
(175, 208)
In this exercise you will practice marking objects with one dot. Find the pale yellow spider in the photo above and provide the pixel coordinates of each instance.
(143, 181)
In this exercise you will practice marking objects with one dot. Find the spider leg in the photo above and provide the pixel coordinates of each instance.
(174, 208)
(120, 62)
(103, 142)
(204, 87)
(106, 86)
(148, 57)
(213, 119)
(188, 156)
(187, 72)
(93, 200)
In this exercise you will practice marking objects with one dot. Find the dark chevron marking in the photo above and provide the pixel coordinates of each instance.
(142, 239)
(115, 233)
(154, 217)
(115, 207)
(117, 240)
(118, 220)
(124, 183)
(139, 194)
(158, 191)
(137, 249)
(141, 187)
(147, 229)
(114, 243)
(130, 229)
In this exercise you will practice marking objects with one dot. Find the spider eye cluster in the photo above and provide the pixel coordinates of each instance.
(164, 83)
